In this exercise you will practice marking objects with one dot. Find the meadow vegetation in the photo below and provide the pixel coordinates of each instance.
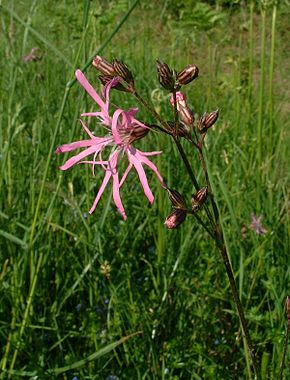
(95, 297)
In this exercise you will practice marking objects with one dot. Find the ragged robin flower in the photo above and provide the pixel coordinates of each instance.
(123, 129)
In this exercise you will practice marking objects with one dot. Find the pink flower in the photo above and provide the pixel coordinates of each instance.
(31, 56)
(123, 129)
(256, 225)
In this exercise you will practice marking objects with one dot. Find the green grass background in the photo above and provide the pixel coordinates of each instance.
(60, 315)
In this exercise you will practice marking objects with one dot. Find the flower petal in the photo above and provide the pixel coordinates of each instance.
(144, 160)
(115, 132)
(142, 176)
(87, 130)
(73, 160)
(77, 144)
(130, 166)
(101, 190)
(90, 90)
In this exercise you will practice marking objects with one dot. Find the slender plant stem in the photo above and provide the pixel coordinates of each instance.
(223, 251)
(251, 60)
(282, 365)
(153, 113)
(271, 72)
(219, 238)
(186, 162)
(218, 233)
(261, 113)
(26, 313)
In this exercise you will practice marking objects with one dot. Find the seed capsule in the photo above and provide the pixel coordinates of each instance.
(207, 120)
(165, 76)
(185, 113)
(176, 199)
(182, 131)
(104, 79)
(176, 218)
(187, 75)
(103, 66)
(199, 198)
(123, 71)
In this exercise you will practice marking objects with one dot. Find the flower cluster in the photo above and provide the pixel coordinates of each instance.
(122, 130)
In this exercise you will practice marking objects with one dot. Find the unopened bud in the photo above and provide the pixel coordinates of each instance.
(187, 75)
(176, 199)
(104, 67)
(105, 79)
(137, 133)
(207, 120)
(123, 71)
(185, 113)
(175, 219)
(182, 130)
(165, 76)
(199, 198)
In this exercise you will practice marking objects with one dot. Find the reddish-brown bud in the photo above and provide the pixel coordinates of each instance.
(182, 130)
(165, 76)
(185, 113)
(199, 198)
(104, 67)
(187, 75)
(104, 79)
(176, 218)
(176, 199)
(123, 71)
(207, 120)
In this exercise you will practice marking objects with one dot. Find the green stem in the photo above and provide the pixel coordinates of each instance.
(186, 163)
(282, 365)
(261, 105)
(26, 313)
(223, 251)
(271, 72)
(251, 60)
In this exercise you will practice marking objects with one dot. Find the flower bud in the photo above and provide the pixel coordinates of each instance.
(123, 71)
(185, 113)
(176, 199)
(175, 219)
(104, 79)
(199, 198)
(103, 66)
(207, 120)
(137, 133)
(187, 75)
(165, 76)
(182, 130)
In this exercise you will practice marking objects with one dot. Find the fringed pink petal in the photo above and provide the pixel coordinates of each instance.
(116, 134)
(72, 146)
(127, 171)
(105, 118)
(139, 156)
(90, 90)
(113, 159)
(94, 162)
(87, 130)
(75, 159)
(132, 112)
(106, 91)
(150, 153)
(142, 176)
(101, 190)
